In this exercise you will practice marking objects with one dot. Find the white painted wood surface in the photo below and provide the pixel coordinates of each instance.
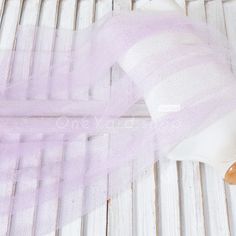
(175, 198)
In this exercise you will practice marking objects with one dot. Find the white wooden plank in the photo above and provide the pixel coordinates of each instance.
(231, 200)
(86, 13)
(182, 4)
(31, 13)
(215, 206)
(103, 7)
(85, 16)
(120, 215)
(91, 222)
(2, 5)
(30, 16)
(8, 189)
(68, 14)
(191, 190)
(169, 207)
(8, 33)
(191, 200)
(5, 189)
(145, 201)
(66, 20)
(229, 8)
(48, 18)
(95, 222)
(49, 211)
(217, 221)
(26, 218)
(122, 5)
(73, 228)
(230, 19)
(215, 15)
(102, 90)
(168, 195)
(196, 10)
(120, 208)
(9, 23)
(84, 19)
(218, 214)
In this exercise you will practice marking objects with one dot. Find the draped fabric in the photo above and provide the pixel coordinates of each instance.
(91, 148)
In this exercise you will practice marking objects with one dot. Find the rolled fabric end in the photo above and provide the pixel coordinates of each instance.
(214, 144)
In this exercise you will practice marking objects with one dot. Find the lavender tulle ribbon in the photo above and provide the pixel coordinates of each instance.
(91, 148)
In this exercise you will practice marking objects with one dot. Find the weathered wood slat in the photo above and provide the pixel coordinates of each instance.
(182, 4)
(215, 15)
(10, 21)
(122, 4)
(167, 180)
(47, 18)
(191, 200)
(145, 199)
(217, 217)
(5, 188)
(30, 16)
(196, 9)
(95, 222)
(2, 7)
(66, 16)
(74, 228)
(169, 199)
(190, 185)
(229, 10)
(144, 204)
(230, 19)
(9, 24)
(215, 205)
(120, 209)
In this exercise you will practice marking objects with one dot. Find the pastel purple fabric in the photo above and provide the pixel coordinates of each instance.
(69, 140)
